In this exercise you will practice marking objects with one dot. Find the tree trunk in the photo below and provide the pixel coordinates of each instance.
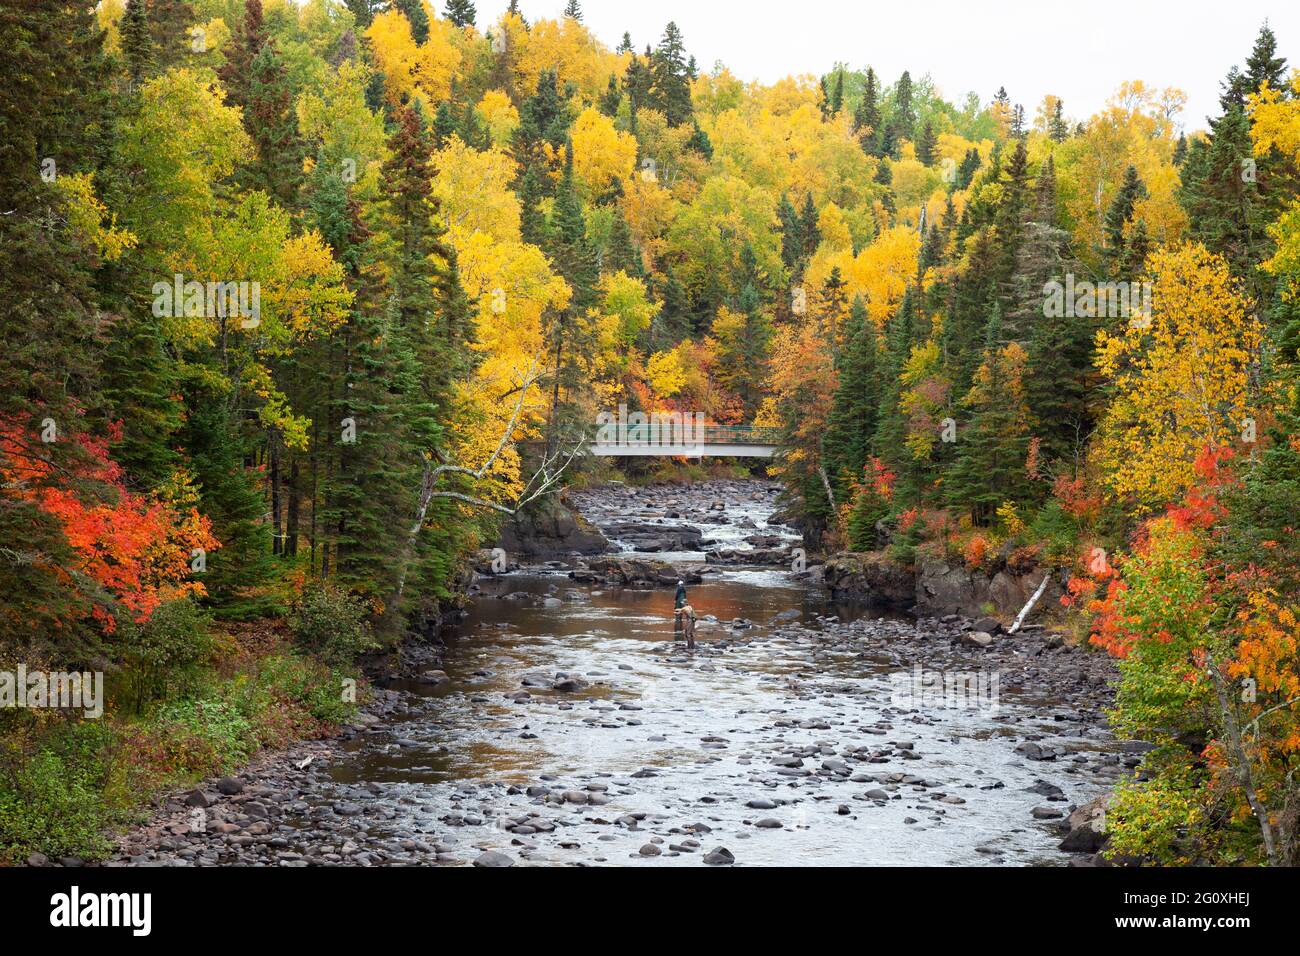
(1240, 762)
(294, 504)
(276, 540)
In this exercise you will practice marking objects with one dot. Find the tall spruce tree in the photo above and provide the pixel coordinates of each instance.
(272, 124)
(460, 12)
(855, 411)
(1131, 191)
(866, 116)
(418, 17)
(170, 23)
(670, 78)
(137, 41)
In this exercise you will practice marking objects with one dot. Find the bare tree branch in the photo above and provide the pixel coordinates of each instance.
(547, 475)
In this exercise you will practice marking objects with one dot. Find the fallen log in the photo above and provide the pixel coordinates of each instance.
(1024, 611)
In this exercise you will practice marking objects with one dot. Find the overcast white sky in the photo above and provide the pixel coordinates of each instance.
(1078, 50)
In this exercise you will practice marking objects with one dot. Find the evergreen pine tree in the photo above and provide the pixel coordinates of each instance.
(855, 411)
(1057, 128)
(1262, 66)
(532, 223)
(622, 253)
(902, 119)
(141, 386)
(1012, 207)
(544, 120)
(417, 16)
(670, 84)
(137, 41)
(1059, 346)
(700, 143)
(926, 143)
(969, 166)
(364, 11)
(611, 98)
(993, 447)
(245, 43)
(460, 12)
(272, 123)
(866, 117)
(808, 228)
(170, 22)
(891, 424)
(1120, 213)
(792, 238)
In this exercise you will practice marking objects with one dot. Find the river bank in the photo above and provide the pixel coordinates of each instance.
(566, 727)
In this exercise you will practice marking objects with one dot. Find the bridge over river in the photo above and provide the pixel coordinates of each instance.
(665, 440)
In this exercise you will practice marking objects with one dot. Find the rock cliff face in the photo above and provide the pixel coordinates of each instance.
(944, 589)
(550, 530)
(934, 586)
(872, 579)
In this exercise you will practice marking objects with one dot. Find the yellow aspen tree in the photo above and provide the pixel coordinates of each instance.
(1180, 377)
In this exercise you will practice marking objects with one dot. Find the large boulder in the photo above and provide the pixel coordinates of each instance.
(648, 536)
(942, 588)
(753, 558)
(871, 579)
(634, 572)
(1085, 828)
(550, 529)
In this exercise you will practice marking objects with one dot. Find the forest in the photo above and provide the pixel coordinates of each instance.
(301, 300)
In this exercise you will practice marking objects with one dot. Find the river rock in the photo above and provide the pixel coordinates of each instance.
(569, 684)
(494, 858)
(1032, 751)
(646, 537)
(644, 572)
(549, 529)
(1086, 827)
(720, 857)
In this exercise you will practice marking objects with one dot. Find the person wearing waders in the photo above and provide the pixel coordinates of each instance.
(678, 603)
(686, 620)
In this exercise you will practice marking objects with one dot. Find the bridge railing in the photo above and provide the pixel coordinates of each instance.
(653, 433)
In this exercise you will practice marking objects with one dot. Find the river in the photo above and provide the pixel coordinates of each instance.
(782, 741)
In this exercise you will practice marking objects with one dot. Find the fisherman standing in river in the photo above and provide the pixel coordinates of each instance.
(678, 603)
(686, 621)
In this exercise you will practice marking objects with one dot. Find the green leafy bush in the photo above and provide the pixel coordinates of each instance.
(59, 800)
(331, 623)
(164, 657)
(317, 689)
(1058, 531)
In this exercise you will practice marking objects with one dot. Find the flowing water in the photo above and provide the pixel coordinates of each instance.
(655, 760)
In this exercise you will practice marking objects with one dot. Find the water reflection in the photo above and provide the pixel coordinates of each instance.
(688, 739)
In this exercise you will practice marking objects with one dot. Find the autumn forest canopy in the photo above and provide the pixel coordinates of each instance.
(301, 300)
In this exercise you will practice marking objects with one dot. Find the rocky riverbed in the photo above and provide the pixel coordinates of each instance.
(567, 727)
